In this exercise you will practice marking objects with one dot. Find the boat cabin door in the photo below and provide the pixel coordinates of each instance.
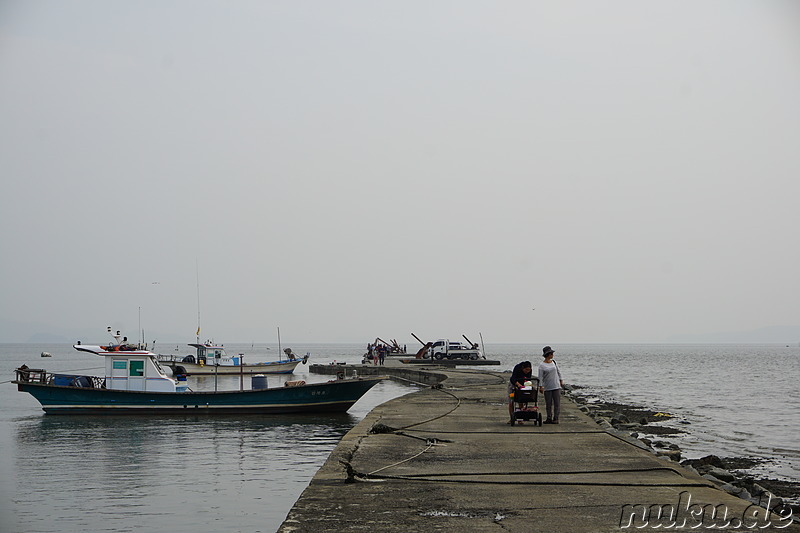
(136, 376)
(201, 354)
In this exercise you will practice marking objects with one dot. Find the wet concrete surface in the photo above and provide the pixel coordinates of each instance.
(445, 459)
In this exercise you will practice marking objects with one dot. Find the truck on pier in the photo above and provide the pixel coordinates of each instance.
(447, 349)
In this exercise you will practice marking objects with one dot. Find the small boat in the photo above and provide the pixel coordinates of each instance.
(46, 354)
(135, 382)
(212, 359)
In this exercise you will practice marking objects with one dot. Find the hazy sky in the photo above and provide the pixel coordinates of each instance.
(351, 169)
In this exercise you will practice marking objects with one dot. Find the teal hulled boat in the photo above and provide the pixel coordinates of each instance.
(136, 383)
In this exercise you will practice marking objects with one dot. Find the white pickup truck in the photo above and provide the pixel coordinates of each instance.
(446, 349)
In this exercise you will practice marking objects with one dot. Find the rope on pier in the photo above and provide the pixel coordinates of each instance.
(571, 483)
(458, 402)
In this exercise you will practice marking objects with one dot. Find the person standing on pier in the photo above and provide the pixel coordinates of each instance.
(550, 382)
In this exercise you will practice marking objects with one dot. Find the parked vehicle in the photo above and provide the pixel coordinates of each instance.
(447, 349)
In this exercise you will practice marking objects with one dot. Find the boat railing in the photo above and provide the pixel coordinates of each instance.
(33, 375)
(169, 358)
(36, 375)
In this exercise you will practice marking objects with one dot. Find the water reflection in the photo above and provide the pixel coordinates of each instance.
(111, 473)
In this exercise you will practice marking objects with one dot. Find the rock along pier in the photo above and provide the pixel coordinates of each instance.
(444, 459)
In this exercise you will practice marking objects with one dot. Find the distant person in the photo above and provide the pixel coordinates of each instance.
(551, 383)
(521, 373)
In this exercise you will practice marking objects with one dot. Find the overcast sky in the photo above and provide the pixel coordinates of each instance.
(544, 172)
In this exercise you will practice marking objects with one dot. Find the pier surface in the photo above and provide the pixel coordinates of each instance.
(445, 459)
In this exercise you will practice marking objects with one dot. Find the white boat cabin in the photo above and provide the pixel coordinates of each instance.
(214, 355)
(136, 373)
(131, 369)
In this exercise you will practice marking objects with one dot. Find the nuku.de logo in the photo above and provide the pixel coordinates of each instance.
(686, 515)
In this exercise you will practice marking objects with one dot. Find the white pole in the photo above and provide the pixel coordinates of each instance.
(197, 268)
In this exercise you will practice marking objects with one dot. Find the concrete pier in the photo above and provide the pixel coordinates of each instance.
(445, 459)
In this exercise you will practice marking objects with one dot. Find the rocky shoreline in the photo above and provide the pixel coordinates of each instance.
(729, 473)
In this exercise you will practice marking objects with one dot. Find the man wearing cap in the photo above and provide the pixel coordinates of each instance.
(550, 383)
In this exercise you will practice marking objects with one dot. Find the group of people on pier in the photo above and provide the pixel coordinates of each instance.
(377, 351)
(550, 384)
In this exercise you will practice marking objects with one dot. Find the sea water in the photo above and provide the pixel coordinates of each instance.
(243, 473)
(161, 473)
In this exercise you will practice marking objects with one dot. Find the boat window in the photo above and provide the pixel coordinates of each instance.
(136, 368)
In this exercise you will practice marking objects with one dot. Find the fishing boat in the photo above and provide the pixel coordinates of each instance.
(135, 383)
(212, 359)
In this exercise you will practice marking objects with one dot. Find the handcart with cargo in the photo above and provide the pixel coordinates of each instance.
(525, 404)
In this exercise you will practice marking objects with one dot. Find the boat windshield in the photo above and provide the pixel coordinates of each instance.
(158, 366)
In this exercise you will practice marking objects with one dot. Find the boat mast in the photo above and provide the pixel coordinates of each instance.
(197, 269)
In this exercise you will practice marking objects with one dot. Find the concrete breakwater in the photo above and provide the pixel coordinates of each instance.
(443, 458)
(430, 375)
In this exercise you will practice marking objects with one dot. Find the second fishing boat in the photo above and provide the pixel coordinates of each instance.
(213, 359)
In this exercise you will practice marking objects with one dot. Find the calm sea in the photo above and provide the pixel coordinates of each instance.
(243, 473)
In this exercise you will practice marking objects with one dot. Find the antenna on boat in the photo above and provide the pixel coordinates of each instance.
(197, 269)
(116, 335)
(279, 342)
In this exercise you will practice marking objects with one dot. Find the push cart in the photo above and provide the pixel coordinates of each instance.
(523, 410)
